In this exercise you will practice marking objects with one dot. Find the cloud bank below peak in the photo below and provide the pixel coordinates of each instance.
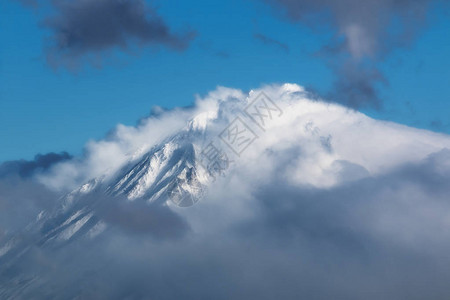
(327, 202)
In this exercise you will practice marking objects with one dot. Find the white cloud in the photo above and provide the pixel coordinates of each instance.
(327, 201)
(324, 134)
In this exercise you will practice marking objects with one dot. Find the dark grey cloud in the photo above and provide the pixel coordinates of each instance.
(363, 32)
(363, 24)
(142, 218)
(21, 200)
(21, 197)
(270, 41)
(86, 29)
(27, 168)
(438, 125)
(357, 85)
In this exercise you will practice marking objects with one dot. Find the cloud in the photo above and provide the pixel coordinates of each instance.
(270, 41)
(378, 237)
(86, 30)
(315, 128)
(29, 3)
(326, 203)
(364, 25)
(123, 144)
(21, 200)
(438, 125)
(364, 33)
(21, 197)
(141, 218)
(208, 46)
(356, 85)
(26, 169)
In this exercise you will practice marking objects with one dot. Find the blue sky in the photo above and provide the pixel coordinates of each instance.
(45, 109)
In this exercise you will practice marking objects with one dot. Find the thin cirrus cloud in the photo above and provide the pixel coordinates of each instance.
(271, 41)
(363, 36)
(86, 30)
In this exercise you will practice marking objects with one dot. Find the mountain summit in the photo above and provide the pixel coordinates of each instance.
(230, 130)
(146, 178)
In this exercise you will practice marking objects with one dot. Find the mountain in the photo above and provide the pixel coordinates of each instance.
(169, 172)
(172, 172)
(278, 132)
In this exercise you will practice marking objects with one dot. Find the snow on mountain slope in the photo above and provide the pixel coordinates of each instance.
(317, 143)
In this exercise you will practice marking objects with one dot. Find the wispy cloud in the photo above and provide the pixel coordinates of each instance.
(363, 36)
(270, 41)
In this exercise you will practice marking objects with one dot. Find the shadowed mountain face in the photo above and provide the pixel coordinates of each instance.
(135, 197)
(168, 172)
(159, 174)
(309, 189)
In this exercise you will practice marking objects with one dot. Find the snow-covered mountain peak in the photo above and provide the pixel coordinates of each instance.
(305, 142)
